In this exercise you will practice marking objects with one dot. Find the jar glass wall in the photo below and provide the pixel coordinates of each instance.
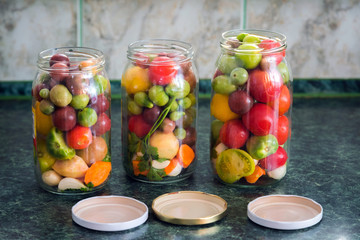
(159, 111)
(251, 108)
(71, 115)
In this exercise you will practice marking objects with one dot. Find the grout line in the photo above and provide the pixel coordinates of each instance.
(244, 7)
(79, 25)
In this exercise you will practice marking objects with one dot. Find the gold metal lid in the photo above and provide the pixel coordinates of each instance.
(189, 208)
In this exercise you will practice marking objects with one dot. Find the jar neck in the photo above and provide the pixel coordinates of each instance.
(178, 51)
(76, 55)
(230, 43)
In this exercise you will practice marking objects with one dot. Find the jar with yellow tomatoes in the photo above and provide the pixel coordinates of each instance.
(159, 111)
(251, 109)
(71, 116)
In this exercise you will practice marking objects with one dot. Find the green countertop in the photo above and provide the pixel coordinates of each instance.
(324, 166)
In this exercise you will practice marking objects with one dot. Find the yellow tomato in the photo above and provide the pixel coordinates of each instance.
(220, 109)
(43, 123)
(136, 79)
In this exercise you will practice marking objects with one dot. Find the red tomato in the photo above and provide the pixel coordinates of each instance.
(102, 125)
(268, 44)
(282, 131)
(162, 70)
(139, 126)
(79, 137)
(234, 134)
(283, 102)
(260, 119)
(275, 160)
(265, 86)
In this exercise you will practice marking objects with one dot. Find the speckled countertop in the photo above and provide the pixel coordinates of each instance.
(324, 165)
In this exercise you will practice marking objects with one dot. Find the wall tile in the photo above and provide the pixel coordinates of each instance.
(322, 34)
(28, 27)
(112, 25)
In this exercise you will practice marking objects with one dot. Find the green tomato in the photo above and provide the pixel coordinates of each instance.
(158, 96)
(250, 59)
(241, 36)
(79, 102)
(284, 71)
(227, 63)
(251, 39)
(185, 103)
(180, 133)
(101, 84)
(87, 117)
(260, 147)
(239, 76)
(216, 125)
(178, 89)
(222, 84)
(134, 108)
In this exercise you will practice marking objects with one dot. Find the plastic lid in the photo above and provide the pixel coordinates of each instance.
(285, 212)
(110, 213)
(189, 208)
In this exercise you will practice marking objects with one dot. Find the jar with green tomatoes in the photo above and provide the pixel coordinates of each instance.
(72, 121)
(251, 109)
(159, 111)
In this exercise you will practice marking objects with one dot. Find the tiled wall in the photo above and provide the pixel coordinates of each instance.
(323, 35)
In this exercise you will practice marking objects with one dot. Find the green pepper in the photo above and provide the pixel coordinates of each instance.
(143, 100)
(134, 108)
(222, 84)
(260, 147)
(178, 89)
(158, 96)
(56, 145)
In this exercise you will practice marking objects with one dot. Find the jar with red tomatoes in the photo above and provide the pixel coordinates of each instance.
(71, 116)
(159, 111)
(251, 108)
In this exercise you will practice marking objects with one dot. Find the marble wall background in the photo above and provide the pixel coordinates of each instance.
(322, 35)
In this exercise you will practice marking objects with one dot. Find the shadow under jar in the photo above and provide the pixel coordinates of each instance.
(71, 114)
(159, 111)
(251, 109)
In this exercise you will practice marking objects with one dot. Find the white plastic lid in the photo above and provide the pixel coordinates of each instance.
(285, 212)
(110, 213)
(189, 208)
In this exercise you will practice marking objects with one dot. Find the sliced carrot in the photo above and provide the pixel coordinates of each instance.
(258, 172)
(173, 163)
(136, 169)
(186, 155)
(98, 173)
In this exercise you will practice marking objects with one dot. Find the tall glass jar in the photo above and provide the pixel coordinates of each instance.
(251, 108)
(159, 111)
(71, 115)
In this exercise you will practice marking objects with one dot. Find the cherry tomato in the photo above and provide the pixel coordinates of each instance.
(283, 102)
(260, 119)
(268, 44)
(79, 137)
(162, 71)
(102, 125)
(265, 85)
(275, 160)
(282, 130)
(233, 134)
(139, 126)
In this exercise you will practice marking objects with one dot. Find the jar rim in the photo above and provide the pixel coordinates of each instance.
(178, 50)
(231, 35)
(78, 53)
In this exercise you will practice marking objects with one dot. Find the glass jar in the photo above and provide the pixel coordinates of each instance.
(159, 111)
(251, 108)
(71, 115)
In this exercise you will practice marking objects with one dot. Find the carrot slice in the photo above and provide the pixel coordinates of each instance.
(137, 172)
(258, 172)
(186, 155)
(98, 173)
(172, 165)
